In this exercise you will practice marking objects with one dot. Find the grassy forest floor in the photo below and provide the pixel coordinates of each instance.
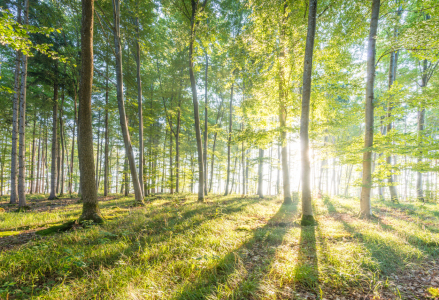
(227, 248)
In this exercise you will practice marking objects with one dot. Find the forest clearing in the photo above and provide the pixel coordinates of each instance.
(219, 149)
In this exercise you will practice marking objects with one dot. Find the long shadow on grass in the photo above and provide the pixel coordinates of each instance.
(241, 271)
(388, 257)
(307, 272)
(156, 230)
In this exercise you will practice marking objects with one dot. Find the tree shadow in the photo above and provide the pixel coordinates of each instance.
(241, 271)
(307, 271)
(388, 257)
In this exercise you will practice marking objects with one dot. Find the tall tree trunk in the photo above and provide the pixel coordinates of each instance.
(307, 213)
(106, 138)
(283, 118)
(15, 110)
(61, 134)
(171, 167)
(125, 175)
(53, 169)
(22, 123)
(121, 104)
(243, 168)
(392, 75)
(260, 173)
(75, 121)
(229, 139)
(90, 208)
(139, 102)
(37, 182)
(278, 170)
(32, 166)
(201, 174)
(233, 176)
(365, 205)
(206, 121)
(97, 151)
(420, 128)
(177, 148)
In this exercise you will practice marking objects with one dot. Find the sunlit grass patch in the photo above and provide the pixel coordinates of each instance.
(229, 247)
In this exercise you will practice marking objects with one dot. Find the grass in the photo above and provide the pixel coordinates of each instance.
(227, 248)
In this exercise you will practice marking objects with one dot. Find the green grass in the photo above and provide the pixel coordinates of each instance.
(228, 248)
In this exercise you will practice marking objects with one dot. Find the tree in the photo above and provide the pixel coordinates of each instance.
(365, 205)
(121, 104)
(90, 208)
(195, 10)
(22, 125)
(307, 214)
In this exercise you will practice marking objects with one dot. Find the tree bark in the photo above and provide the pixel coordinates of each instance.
(201, 174)
(229, 140)
(53, 169)
(106, 138)
(139, 102)
(37, 182)
(15, 109)
(32, 164)
(206, 121)
(283, 118)
(97, 151)
(90, 208)
(307, 213)
(61, 133)
(22, 124)
(121, 104)
(420, 128)
(260, 173)
(392, 74)
(75, 121)
(365, 205)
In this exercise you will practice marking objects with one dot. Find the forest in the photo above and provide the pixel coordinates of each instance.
(219, 149)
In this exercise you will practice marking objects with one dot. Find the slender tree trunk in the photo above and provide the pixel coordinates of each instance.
(106, 174)
(233, 176)
(283, 118)
(177, 148)
(260, 173)
(392, 75)
(121, 104)
(201, 174)
(73, 143)
(53, 169)
(37, 182)
(90, 208)
(365, 205)
(206, 121)
(140, 105)
(125, 176)
(22, 123)
(97, 151)
(229, 139)
(243, 168)
(171, 167)
(307, 213)
(61, 133)
(32, 166)
(420, 128)
(15, 110)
